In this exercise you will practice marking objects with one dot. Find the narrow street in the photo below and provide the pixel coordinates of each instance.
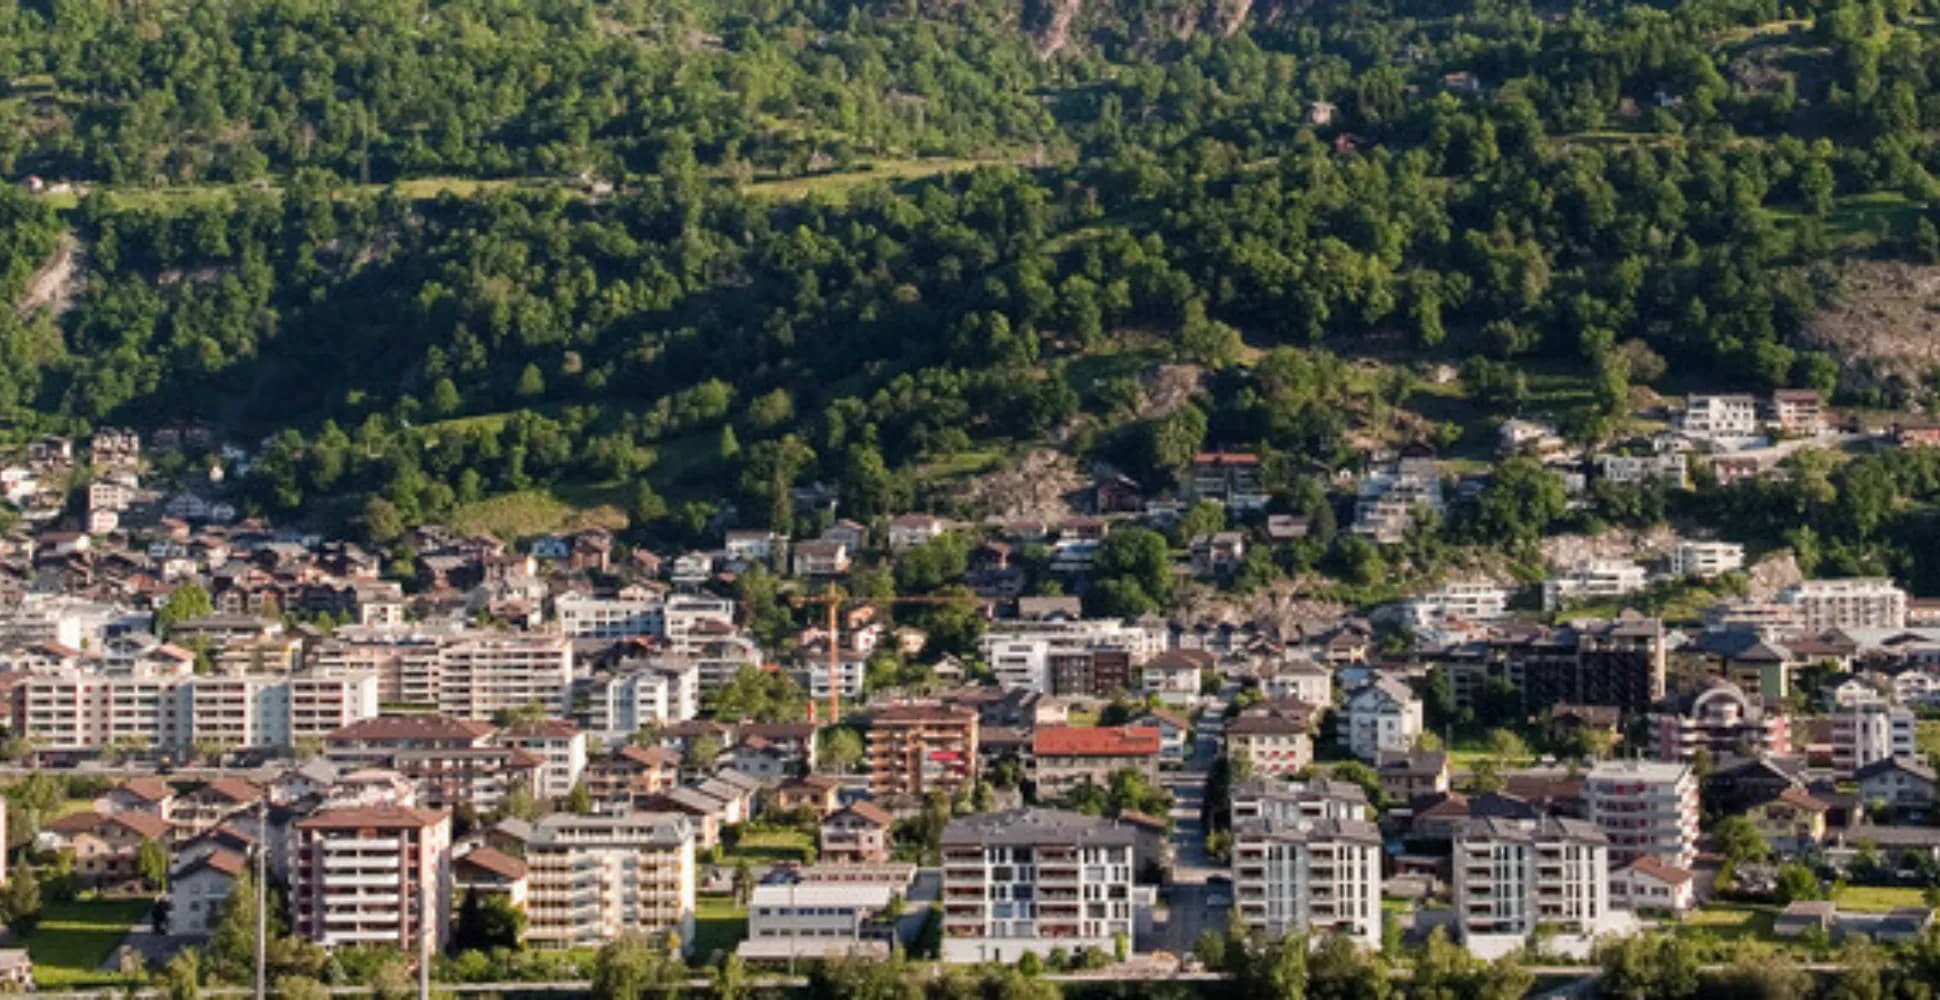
(1193, 905)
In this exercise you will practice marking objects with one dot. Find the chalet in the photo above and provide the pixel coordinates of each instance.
(106, 849)
(860, 833)
(487, 871)
(1650, 884)
(198, 892)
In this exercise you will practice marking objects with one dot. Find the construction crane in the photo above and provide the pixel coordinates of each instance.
(833, 599)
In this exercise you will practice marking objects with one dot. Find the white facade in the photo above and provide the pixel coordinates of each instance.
(1727, 416)
(1645, 808)
(591, 879)
(662, 692)
(1854, 602)
(629, 614)
(1513, 875)
(1668, 468)
(1707, 560)
(489, 672)
(1384, 715)
(1871, 731)
(812, 920)
(1309, 876)
(1019, 652)
(1593, 580)
(1035, 880)
(1467, 600)
(1386, 501)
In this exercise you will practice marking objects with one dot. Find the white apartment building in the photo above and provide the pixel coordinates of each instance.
(1722, 416)
(1306, 876)
(559, 744)
(1288, 800)
(661, 691)
(1871, 731)
(1465, 600)
(1386, 500)
(1514, 875)
(1035, 880)
(1669, 468)
(488, 672)
(1645, 808)
(1380, 716)
(408, 662)
(79, 708)
(371, 875)
(591, 879)
(1706, 560)
(634, 611)
(1020, 652)
(1594, 580)
(74, 622)
(1853, 602)
(274, 710)
(684, 614)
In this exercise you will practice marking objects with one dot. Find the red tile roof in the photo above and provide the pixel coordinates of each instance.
(495, 861)
(412, 727)
(1100, 741)
(147, 789)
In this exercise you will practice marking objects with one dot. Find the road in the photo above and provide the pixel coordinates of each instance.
(1191, 905)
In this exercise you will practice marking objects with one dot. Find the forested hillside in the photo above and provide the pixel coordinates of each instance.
(385, 233)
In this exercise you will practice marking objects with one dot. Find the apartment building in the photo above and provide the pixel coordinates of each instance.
(686, 614)
(1720, 719)
(1515, 875)
(1671, 469)
(590, 879)
(1645, 808)
(1594, 580)
(1459, 600)
(81, 708)
(1276, 742)
(1853, 602)
(1309, 876)
(660, 691)
(1022, 653)
(406, 661)
(1231, 478)
(1797, 412)
(1720, 416)
(1619, 663)
(1706, 560)
(1309, 799)
(634, 611)
(451, 762)
(559, 744)
(484, 673)
(916, 749)
(1064, 757)
(1871, 731)
(373, 875)
(275, 710)
(1035, 880)
(1381, 716)
(1387, 498)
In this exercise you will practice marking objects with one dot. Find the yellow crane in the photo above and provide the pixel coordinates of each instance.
(833, 600)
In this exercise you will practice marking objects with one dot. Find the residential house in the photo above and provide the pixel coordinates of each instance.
(1064, 757)
(859, 833)
(1385, 715)
(1648, 884)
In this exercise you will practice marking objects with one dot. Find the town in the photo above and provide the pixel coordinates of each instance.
(918, 736)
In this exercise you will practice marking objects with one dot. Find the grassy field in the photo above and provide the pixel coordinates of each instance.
(1878, 899)
(718, 925)
(836, 185)
(527, 513)
(770, 846)
(74, 939)
(1858, 220)
(1729, 922)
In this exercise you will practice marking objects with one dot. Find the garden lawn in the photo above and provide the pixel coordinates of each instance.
(1728, 922)
(74, 939)
(767, 847)
(718, 925)
(1878, 899)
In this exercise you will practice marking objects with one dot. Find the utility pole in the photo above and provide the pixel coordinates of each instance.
(262, 897)
(424, 935)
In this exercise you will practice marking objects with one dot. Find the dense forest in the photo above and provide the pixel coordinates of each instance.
(594, 282)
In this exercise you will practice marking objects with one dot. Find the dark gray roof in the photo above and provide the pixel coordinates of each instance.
(1025, 827)
(1304, 831)
(1530, 830)
(1916, 768)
